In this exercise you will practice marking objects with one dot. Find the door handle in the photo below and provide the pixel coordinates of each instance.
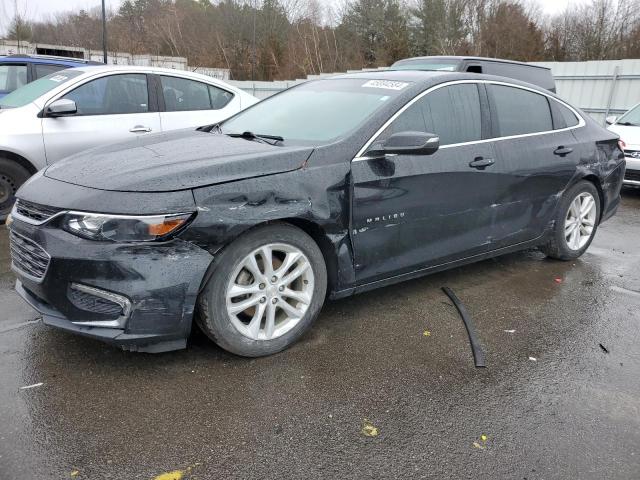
(481, 163)
(562, 151)
(140, 129)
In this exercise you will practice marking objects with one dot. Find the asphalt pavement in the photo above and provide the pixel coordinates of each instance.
(383, 386)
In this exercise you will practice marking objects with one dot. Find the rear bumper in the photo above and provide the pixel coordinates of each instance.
(160, 283)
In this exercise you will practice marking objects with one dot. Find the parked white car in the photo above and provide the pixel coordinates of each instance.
(628, 127)
(77, 109)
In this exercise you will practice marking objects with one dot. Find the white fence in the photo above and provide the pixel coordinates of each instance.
(600, 88)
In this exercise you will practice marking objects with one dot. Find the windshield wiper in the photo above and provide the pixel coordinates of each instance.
(628, 124)
(257, 136)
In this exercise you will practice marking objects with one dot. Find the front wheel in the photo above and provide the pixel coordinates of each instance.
(266, 290)
(576, 222)
(12, 176)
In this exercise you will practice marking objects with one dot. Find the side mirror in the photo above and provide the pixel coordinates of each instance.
(407, 143)
(611, 119)
(61, 107)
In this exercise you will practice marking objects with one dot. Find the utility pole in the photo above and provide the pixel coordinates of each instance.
(253, 52)
(104, 32)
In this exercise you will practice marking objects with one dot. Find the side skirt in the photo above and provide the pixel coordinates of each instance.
(438, 268)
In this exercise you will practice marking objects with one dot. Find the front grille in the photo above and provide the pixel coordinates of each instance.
(35, 212)
(91, 303)
(633, 175)
(28, 257)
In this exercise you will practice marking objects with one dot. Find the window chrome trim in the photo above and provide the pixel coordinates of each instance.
(581, 122)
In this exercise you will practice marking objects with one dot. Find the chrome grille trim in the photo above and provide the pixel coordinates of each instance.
(28, 258)
(120, 300)
(33, 213)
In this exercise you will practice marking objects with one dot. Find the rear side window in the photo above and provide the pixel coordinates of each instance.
(183, 95)
(115, 94)
(520, 111)
(42, 69)
(452, 113)
(564, 117)
(12, 77)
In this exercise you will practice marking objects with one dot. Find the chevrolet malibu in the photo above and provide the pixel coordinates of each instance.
(331, 188)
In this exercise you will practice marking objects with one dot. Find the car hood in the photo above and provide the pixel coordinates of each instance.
(176, 161)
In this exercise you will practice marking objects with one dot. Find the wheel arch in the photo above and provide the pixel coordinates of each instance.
(20, 160)
(596, 183)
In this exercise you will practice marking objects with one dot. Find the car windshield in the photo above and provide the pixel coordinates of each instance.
(632, 117)
(30, 92)
(425, 64)
(316, 112)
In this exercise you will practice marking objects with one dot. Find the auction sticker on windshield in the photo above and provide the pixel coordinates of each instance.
(388, 84)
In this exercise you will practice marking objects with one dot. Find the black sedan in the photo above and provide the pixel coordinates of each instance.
(331, 188)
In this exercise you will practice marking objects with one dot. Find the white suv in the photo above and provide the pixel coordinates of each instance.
(628, 127)
(76, 109)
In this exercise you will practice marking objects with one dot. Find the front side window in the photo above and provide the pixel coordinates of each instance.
(317, 112)
(34, 90)
(44, 69)
(453, 113)
(520, 111)
(12, 77)
(115, 94)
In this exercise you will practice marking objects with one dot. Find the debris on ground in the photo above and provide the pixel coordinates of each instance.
(368, 429)
(558, 280)
(174, 475)
(35, 385)
(510, 331)
(482, 443)
(476, 349)
(74, 473)
(533, 359)
(426, 333)
(603, 348)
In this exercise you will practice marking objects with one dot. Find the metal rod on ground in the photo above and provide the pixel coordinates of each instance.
(478, 354)
(104, 32)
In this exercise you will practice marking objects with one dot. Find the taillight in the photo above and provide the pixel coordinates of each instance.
(622, 145)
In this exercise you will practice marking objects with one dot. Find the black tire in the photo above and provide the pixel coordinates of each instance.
(557, 246)
(212, 316)
(12, 176)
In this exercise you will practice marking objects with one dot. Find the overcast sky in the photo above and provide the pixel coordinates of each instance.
(43, 8)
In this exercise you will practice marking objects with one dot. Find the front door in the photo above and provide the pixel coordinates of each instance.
(412, 211)
(111, 109)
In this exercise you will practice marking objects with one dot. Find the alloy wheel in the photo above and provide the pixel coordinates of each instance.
(270, 291)
(580, 221)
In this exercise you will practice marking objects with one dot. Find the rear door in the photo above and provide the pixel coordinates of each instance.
(414, 211)
(111, 109)
(534, 161)
(188, 103)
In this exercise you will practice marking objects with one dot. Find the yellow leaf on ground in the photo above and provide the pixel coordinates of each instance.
(74, 473)
(426, 333)
(175, 475)
(368, 429)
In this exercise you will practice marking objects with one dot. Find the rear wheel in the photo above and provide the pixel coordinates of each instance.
(12, 176)
(576, 222)
(266, 290)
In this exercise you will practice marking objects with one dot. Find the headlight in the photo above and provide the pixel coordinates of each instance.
(125, 228)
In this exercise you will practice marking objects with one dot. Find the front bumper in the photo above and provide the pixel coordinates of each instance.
(632, 174)
(159, 281)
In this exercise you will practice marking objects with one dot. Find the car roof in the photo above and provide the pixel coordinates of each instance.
(472, 58)
(427, 78)
(48, 59)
